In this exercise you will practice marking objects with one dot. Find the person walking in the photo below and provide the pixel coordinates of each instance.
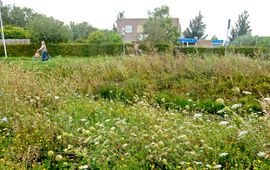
(43, 49)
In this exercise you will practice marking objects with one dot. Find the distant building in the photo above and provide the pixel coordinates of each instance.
(200, 43)
(131, 29)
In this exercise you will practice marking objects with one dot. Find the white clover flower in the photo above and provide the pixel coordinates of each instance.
(58, 157)
(223, 123)
(163, 100)
(198, 163)
(112, 128)
(223, 154)
(217, 166)
(242, 133)
(59, 137)
(220, 111)
(208, 166)
(83, 120)
(267, 99)
(246, 92)
(197, 116)
(220, 100)
(133, 134)
(84, 167)
(261, 154)
(4, 120)
(236, 106)
(125, 145)
(56, 97)
(182, 163)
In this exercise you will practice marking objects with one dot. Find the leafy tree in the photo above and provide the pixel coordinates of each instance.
(49, 29)
(214, 37)
(242, 27)
(12, 32)
(196, 28)
(113, 38)
(17, 16)
(96, 37)
(114, 28)
(159, 28)
(251, 41)
(81, 31)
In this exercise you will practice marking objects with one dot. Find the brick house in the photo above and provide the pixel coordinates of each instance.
(133, 28)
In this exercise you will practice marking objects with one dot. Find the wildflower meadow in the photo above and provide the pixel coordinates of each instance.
(147, 112)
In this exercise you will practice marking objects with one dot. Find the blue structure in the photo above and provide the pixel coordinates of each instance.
(201, 43)
(217, 42)
(188, 40)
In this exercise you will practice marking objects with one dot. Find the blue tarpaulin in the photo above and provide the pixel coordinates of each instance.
(188, 40)
(217, 42)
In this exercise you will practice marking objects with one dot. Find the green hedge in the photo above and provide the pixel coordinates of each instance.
(247, 51)
(117, 49)
(67, 49)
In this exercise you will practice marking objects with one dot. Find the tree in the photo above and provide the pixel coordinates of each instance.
(114, 38)
(104, 36)
(49, 29)
(242, 27)
(159, 28)
(96, 37)
(196, 28)
(12, 32)
(81, 31)
(17, 16)
(214, 37)
(114, 28)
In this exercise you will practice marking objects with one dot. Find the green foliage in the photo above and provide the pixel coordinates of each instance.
(96, 37)
(196, 28)
(17, 16)
(80, 31)
(114, 38)
(159, 28)
(210, 106)
(49, 30)
(251, 41)
(89, 132)
(107, 48)
(12, 32)
(201, 51)
(242, 27)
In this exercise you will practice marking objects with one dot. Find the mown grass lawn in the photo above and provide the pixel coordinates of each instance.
(151, 112)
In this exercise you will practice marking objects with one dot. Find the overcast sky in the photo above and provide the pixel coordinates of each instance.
(102, 13)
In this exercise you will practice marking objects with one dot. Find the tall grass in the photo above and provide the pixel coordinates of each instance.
(134, 113)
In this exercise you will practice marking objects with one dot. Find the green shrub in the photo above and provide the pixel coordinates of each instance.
(117, 49)
(12, 32)
(210, 106)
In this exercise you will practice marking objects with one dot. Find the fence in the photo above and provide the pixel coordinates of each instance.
(16, 41)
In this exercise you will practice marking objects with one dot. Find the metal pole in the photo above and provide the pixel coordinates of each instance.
(227, 37)
(123, 38)
(2, 29)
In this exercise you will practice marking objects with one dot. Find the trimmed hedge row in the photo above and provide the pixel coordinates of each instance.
(66, 49)
(117, 49)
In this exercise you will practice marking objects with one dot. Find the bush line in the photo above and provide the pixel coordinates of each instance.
(117, 49)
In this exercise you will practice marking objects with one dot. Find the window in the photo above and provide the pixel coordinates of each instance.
(128, 29)
(140, 29)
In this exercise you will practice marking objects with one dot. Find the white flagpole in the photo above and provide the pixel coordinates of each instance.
(2, 29)
(227, 36)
